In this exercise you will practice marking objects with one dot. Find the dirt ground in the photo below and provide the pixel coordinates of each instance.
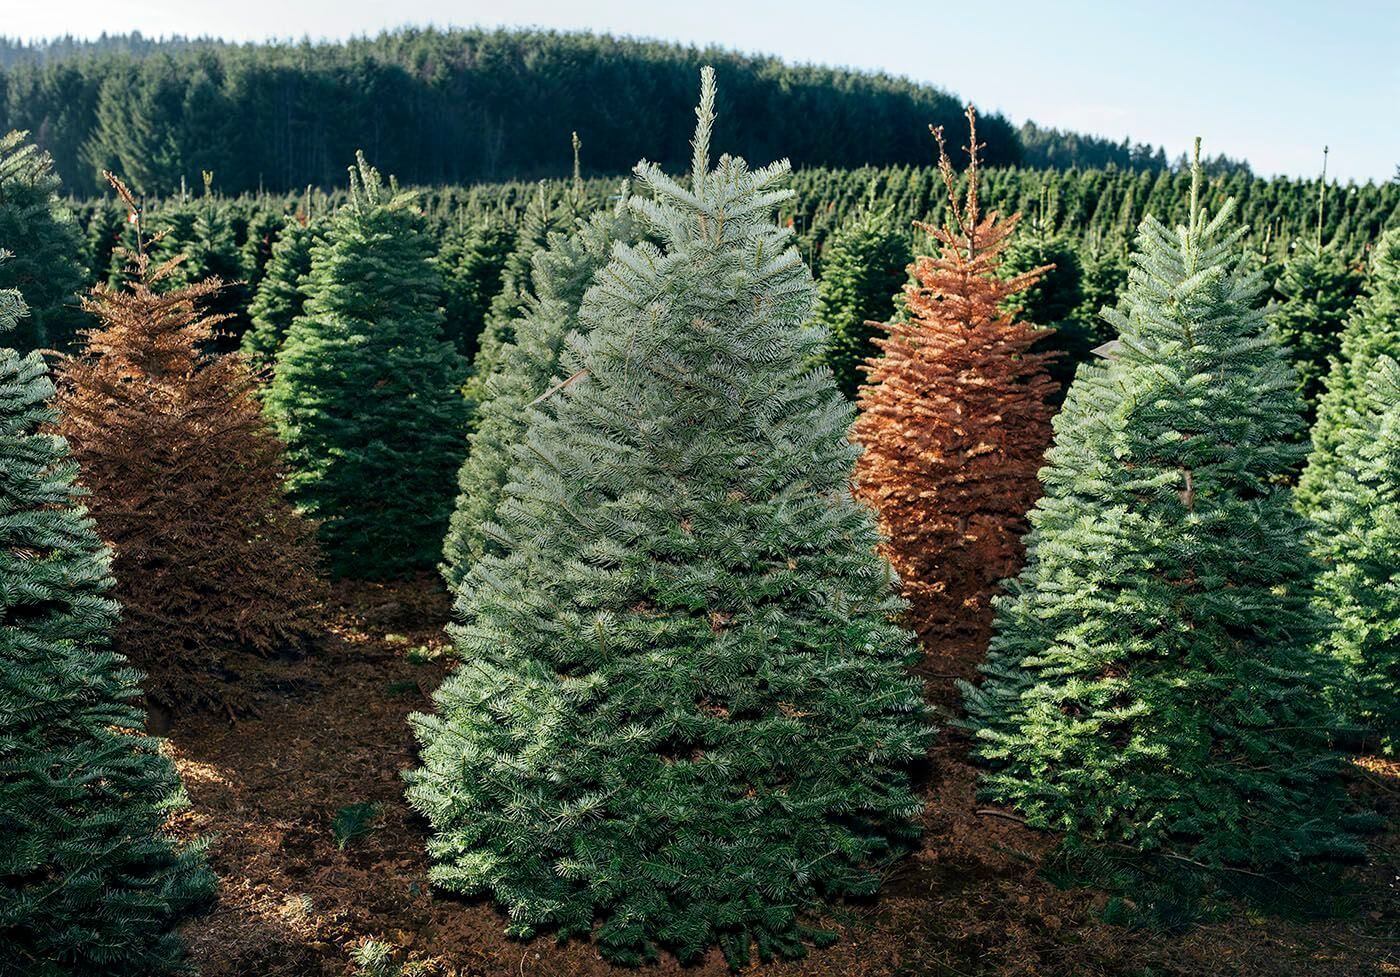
(331, 731)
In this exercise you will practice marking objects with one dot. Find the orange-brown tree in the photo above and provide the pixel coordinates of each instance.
(214, 568)
(954, 421)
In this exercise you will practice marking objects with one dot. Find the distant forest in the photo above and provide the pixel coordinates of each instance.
(464, 106)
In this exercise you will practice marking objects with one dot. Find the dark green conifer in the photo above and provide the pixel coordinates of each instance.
(281, 297)
(90, 883)
(46, 245)
(1316, 291)
(473, 263)
(366, 391)
(526, 369)
(1372, 331)
(682, 716)
(863, 266)
(1358, 516)
(1152, 681)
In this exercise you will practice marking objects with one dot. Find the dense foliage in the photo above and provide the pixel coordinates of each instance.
(1316, 291)
(1358, 516)
(681, 717)
(214, 569)
(89, 881)
(281, 296)
(365, 389)
(1152, 681)
(1372, 331)
(466, 105)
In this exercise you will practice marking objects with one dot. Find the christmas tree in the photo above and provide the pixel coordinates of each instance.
(281, 297)
(955, 420)
(473, 263)
(863, 266)
(524, 372)
(682, 716)
(45, 242)
(186, 476)
(89, 882)
(366, 391)
(1372, 331)
(1316, 291)
(499, 329)
(1152, 682)
(1358, 538)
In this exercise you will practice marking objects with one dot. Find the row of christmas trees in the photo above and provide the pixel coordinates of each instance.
(683, 715)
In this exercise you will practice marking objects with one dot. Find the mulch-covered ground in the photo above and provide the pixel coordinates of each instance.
(331, 732)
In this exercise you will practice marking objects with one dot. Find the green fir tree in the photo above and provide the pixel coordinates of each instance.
(1358, 538)
(682, 716)
(90, 883)
(281, 297)
(365, 392)
(1152, 681)
(864, 264)
(473, 264)
(1372, 331)
(46, 246)
(1316, 291)
(525, 371)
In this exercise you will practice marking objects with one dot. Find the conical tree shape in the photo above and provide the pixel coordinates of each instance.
(45, 242)
(473, 264)
(954, 424)
(1152, 681)
(186, 476)
(281, 297)
(366, 391)
(863, 266)
(1358, 518)
(524, 372)
(89, 882)
(1316, 292)
(499, 330)
(682, 717)
(1373, 330)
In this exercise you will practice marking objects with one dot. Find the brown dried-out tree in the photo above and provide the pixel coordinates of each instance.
(954, 421)
(215, 570)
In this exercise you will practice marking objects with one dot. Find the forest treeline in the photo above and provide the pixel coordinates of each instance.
(458, 106)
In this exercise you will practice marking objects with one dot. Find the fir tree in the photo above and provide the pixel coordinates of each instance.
(1316, 291)
(1151, 682)
(955, 420)
(524, 372)
(89, 881)
(366, 389)
(281, 297)
(1372, 331)
(473, 264)
(45, 242)
(1054, 300)
(863, 266)
(186, 478)
(682, 717)
(499, 329)
(1358, 538)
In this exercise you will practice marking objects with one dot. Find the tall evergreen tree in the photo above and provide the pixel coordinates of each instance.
(525, 371)
(214, 568)
(1054, 300)
(281, 297)
(863, 266)
(1358, 537)
(499, 329)
(473, 265)
(1316, 292)
(1372, 331)
(45, 243)
(90, 883)
(366, 390)
(682, 716)
(955, 420)
(1152, 681)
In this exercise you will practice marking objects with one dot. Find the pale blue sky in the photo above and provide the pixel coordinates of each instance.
(1271, 81)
